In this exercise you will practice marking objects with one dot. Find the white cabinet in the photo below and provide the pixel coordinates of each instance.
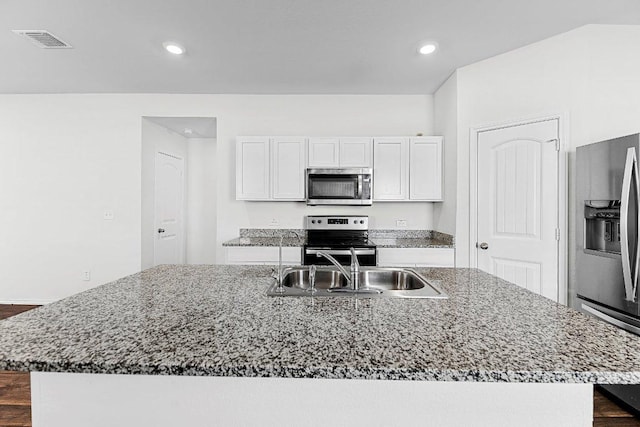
(252, 168)
(425, 168)
(416, 257)
(263, 255)
(407, 169)
(270, 168)
(390, 169)
(288, 163)
(324, 152)
(353, 152)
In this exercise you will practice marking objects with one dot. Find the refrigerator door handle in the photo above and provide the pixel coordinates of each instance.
(630, 276)
(612, 320)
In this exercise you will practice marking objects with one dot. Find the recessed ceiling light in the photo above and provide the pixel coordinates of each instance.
(188, 131)
(174, 48)
(428, 48)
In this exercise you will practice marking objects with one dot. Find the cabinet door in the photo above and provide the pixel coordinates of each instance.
(260, 255)
(390, 169)
(355, 153)
(252, 168)
(416, 257)
(324, 152)
(425, 179)
(288, 164)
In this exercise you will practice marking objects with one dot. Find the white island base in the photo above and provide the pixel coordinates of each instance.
(69, 400)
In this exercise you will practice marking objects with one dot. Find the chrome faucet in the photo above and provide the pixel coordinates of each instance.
(333, 261)
(353, 277)
(355, 270)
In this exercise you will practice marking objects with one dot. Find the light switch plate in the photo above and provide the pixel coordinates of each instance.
(401, 223)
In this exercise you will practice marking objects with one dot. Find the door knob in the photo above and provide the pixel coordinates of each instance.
(160, 230)
(484, 246)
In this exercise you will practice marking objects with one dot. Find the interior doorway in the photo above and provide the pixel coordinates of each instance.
(169, 189)
(516, 216)
(178, 219)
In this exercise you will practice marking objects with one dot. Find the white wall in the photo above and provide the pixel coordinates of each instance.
(64, 159)
(589, 76)
(156, 138)
(201, 201)
(445, 124)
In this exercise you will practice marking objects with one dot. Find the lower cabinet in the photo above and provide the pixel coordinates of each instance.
(263, 255)
(416, 257)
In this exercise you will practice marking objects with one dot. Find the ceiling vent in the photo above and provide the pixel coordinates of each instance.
(43, 39)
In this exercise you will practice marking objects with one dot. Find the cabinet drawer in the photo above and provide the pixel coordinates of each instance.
(416, 257)
(263, 255)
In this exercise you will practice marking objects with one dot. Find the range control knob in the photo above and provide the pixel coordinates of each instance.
(313, 221)
(355, 221)
(319, 221)
(362, 221)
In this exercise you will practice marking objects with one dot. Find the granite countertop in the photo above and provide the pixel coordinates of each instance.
(264, 241)
(215, 320)
(411, 243)
(382, 238)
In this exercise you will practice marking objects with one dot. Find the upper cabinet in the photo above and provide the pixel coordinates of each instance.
(270, 168)
(391, 169)
(355, 152)
(252, 168)
(288, 164)
(408, 169)
(425, 168)
(404, 168)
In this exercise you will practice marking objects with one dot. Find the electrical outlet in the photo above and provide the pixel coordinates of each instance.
(86, 276)
(107, 215)
(274, 222)
(401, 223)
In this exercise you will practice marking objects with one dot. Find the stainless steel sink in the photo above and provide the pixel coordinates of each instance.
(391, 282)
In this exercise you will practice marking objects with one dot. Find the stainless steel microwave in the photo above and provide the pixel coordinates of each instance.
(338, 186)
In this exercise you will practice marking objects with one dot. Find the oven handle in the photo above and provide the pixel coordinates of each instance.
(340, 251)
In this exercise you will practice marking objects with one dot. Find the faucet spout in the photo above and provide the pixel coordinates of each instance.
(333, 261)
(355, 270)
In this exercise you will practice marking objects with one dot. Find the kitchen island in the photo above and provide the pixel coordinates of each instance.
(196, 343)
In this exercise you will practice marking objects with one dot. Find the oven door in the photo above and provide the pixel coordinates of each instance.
(339, 187)
(367, 257)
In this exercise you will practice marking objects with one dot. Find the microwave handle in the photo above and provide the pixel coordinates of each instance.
(359, 194)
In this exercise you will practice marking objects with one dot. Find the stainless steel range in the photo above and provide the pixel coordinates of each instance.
(336, 235)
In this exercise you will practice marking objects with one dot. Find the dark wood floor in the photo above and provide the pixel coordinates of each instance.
(15, 395)
(15, 389)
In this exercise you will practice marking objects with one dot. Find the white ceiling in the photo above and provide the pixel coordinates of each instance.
(274, 46)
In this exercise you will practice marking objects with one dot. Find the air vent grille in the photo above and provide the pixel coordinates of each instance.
(43, 39)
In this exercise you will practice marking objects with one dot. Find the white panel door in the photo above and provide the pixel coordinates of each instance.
(288, 163)
(324, 152)
(355, 153)
(390, 169)
(517, 181)
(252, 168)
(169, 210)
(425, 168)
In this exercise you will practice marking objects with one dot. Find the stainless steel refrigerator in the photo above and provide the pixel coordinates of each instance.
(608, 253)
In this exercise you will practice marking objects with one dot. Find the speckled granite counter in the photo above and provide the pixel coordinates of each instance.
(382, 238)
(217, 321)
(267, 237)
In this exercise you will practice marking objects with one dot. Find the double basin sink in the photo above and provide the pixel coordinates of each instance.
(374, 282)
